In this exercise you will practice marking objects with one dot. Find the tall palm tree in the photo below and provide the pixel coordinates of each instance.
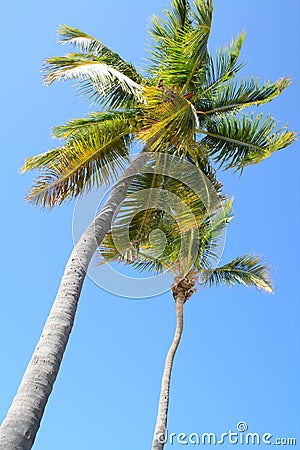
(186, 102)
(188, 252)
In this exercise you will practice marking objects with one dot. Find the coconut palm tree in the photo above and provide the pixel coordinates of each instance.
(186, 102)
(188, 252)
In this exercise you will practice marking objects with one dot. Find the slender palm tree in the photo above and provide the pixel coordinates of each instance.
(188, 252)
(186, 102)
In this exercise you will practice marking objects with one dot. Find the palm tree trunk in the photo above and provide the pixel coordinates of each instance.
(160, 432)
(19, 428)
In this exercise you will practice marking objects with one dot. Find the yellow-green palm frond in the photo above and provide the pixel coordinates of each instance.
(85, 161)
(80, 127)
(169, 116)
(248, 270)
(235, 142)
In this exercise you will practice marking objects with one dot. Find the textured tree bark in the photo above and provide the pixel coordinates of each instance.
(160, 432)
(19, 428)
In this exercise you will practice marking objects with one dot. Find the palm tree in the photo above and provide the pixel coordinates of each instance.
(188, 252)
(186, 103)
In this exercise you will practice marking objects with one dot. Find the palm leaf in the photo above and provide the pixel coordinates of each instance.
(179, 52)
(77, 128)
(98, 78)
(88, 44)
(169, 116)
(238, 142)
(248, 270)
(237, 95)
(225, 65)
(88, 160)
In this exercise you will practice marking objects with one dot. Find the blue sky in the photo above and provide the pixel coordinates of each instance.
(239, 356)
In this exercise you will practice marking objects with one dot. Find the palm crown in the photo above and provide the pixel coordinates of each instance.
(178, 231)
(186, 102)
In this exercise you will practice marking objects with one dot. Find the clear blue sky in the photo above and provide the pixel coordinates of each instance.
(239, 356)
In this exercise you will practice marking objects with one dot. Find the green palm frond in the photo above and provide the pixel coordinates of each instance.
(225, 65)
(248, 270)
(179, 52)
(236, 142)
(176, 19)
(85, 161)
(237, 95)
(100, 78)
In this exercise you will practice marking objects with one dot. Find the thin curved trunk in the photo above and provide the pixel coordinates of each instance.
(160, 432)
(19, 428)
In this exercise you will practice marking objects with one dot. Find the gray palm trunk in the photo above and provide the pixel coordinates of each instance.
(19, 428)
(160, 432)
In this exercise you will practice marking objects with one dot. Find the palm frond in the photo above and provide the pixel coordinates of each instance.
(235, 95)
(179, 52)
(88, 160)
(176, 19)
(100, 78)
(42, 160)
(248, 270)
(199, 57)
(225, 65)
(79, 127)
(89, 45)
(169, 116)
(81, 40)
(236, 142)
(212, 232)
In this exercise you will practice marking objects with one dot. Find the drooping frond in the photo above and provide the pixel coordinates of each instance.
(100, 78)
(234, 96)
(248, 270)
(235, 142)
(91, 159)
(179, 52)
(88, 44)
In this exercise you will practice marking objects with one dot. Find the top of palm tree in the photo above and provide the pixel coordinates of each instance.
(186, 101)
